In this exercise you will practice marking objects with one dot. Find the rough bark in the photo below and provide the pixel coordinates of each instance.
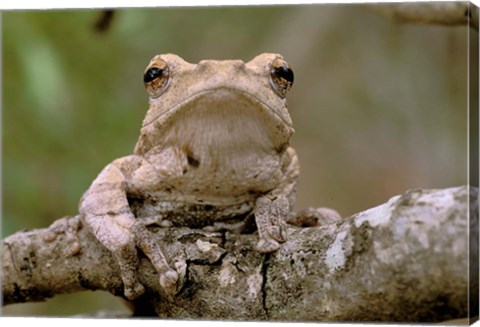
(453, 13)
(405, 260)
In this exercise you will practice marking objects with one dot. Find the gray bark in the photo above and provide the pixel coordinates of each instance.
(405, 260)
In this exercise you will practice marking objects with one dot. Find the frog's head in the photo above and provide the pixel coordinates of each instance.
(215, 100)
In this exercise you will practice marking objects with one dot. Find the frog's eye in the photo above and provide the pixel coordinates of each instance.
(281, 76)
(156, 77)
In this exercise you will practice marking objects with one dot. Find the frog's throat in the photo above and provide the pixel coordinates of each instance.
(218, 119)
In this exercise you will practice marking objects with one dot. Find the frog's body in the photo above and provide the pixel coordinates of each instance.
(213, 146)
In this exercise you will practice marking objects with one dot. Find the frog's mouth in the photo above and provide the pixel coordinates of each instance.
(221, 119)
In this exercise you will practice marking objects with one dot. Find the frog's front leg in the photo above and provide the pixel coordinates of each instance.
(105, 210)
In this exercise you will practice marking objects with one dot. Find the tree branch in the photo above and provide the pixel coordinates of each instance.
(406, 260)
(441, 13)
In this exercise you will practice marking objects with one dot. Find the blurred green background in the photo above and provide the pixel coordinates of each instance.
(378, 107)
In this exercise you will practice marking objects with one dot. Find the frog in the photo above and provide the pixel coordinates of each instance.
(214, 149)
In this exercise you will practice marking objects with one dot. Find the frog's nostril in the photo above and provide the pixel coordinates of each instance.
(237, 65)
(226, 65)
(204, 63)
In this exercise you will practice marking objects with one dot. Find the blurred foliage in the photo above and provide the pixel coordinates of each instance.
(378, 107)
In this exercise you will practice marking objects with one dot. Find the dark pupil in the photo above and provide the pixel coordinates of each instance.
(285, 73)
(152, 73)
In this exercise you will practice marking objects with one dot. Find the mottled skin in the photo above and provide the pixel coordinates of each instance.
(213, 147)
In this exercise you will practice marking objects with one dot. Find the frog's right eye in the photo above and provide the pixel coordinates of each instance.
(156, 77)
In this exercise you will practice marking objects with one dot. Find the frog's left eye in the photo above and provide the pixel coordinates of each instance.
(156, 77)
(281, 76)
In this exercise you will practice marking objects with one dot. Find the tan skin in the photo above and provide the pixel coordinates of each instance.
(214, 146)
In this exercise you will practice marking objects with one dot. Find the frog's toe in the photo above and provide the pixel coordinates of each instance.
(132, 293)
(267, 245)
(132, 288)
(168, 281)
(277, 232)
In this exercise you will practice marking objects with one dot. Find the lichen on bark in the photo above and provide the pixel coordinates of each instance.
(405, 260)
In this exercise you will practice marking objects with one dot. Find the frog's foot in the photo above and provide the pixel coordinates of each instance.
(126, 255)
(67, 226)
(121, 234)
(314, 217)
(116, 234)
(270, 217)
(145, 241)
(271, 239)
